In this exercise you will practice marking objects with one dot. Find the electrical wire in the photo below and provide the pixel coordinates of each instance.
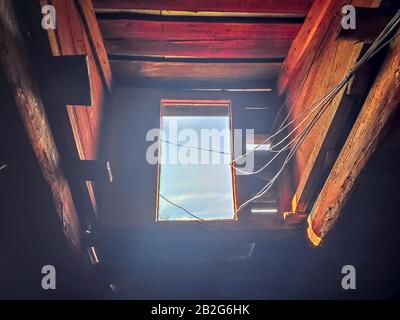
(182, 208)
(193, 147)
(323, 103)
(369, 54)
(284, 105)
(319, 107)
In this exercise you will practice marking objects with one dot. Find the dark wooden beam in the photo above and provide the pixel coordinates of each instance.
(365, 30)
(198, 39)
(17, 68)
(135, 58)
(267, 7)
(67, 81)
(90, 170)
(68, 39)
(380, 107)
(199, 18)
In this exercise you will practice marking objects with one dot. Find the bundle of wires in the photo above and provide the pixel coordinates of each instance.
(317, 109)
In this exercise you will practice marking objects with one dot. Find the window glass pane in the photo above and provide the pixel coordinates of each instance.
(203, 186)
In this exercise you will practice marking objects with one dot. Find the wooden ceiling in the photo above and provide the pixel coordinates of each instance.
(198, 40)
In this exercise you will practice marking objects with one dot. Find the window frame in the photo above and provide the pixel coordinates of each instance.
(197, 104)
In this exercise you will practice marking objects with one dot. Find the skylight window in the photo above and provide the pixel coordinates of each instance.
(195, 176)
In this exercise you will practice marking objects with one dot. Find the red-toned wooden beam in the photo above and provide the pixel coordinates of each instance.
(96, 40)
(70, 38)
(197, 39)
(308, 40)
(270, 7)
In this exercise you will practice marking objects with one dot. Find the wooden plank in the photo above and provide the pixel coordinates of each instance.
(381, 105)
(202, 86)
(318, 21)
(197, 39)
(16, 66)
(92, 28)
(329, 65)
(200, 48)
(131, 70)
(70, 38)
(184, 31)
(210, 7)
(308, 39)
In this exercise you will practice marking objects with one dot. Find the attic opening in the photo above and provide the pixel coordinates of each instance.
(195, 177)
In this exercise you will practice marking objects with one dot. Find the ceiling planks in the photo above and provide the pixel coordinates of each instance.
(198, 39)
(291, 8)
(126, 70)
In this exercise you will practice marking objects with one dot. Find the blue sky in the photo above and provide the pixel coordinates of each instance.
(203, 189)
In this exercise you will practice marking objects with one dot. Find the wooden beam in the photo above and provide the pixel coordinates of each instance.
(198, 39)
(215, 18)
(318, 21)
(68, 81)
(307, 41)
(90, 170)
(71, 38)
(128, 70)
(194, 60)
(380, 107)
(207, 7)
(96, 39)
(327, 67)
(16, 65)
(194, 85)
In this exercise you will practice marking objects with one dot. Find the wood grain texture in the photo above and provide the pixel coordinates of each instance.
(96, 39)
(326, 66)
(197, 39)
(311, 34)
(318, 21)
(381, 105)
(70, 38)
(134, 70)
(17, 69)
(272, 7)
